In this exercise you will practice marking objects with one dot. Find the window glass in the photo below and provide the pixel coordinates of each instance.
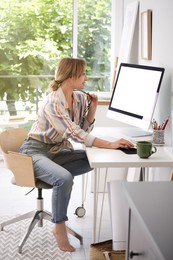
(94, 41)
(34, 34)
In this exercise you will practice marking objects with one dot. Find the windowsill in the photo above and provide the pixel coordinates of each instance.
(103, 103)
(103, 98)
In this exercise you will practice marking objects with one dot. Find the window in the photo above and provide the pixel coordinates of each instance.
(34, 34)
(94, 41)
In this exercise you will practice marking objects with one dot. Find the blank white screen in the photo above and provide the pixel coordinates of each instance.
(135, 94)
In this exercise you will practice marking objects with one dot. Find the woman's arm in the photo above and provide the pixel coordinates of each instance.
(98, 142)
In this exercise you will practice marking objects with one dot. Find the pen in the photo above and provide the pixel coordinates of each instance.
(84, 92)
(165, 124)
(155, 124)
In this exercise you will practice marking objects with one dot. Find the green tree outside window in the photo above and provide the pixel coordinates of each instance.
(35, 34)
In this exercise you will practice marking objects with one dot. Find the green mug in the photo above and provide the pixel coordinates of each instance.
(145, 149)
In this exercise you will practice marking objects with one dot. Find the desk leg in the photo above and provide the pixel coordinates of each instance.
(95, 204)
(103, 199)
(144, 174)
(147, 174)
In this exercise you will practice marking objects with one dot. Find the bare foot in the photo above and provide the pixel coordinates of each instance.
(60, 234)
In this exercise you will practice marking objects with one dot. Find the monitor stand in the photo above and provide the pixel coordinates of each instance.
(135, 132)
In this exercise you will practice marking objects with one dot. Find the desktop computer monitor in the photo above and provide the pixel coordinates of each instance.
(134, 96)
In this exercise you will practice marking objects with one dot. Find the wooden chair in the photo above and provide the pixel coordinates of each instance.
(21, 166)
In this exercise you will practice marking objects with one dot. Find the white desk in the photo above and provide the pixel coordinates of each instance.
(107, 158)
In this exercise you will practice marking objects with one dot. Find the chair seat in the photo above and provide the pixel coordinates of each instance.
(43, 185)
(39, 184)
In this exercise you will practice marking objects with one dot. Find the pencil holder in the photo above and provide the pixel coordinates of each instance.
(158, 137)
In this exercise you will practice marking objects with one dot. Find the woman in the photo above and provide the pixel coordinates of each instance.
(66, 113)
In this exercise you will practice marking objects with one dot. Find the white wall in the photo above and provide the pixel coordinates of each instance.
(103, 120)
(162, 55)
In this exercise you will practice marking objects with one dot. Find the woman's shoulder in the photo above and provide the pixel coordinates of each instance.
(56, 96)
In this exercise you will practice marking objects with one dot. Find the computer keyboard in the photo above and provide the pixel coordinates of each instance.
(128, 150)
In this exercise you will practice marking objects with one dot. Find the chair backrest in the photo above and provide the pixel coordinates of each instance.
(21, 165)
(12, 139)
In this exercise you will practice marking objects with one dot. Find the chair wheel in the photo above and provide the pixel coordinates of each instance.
(80, 212)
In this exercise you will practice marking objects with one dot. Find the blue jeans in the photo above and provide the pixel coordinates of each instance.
(57, 170)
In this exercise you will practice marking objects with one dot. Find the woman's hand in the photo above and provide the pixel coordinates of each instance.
(121, 143)
(93, 101)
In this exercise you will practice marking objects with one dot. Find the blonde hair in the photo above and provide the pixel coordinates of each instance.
(67, 68)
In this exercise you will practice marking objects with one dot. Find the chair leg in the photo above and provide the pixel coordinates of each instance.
(75, 234)
(37, 218)
(16, 219)
(39, 215)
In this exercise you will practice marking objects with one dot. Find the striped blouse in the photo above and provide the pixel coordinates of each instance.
(54, 124)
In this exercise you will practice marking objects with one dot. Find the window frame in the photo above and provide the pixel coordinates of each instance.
(116, 29)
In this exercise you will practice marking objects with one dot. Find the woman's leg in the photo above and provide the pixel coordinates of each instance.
(60, 234)
(62, 181)
(76, 162)
(61, 178)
